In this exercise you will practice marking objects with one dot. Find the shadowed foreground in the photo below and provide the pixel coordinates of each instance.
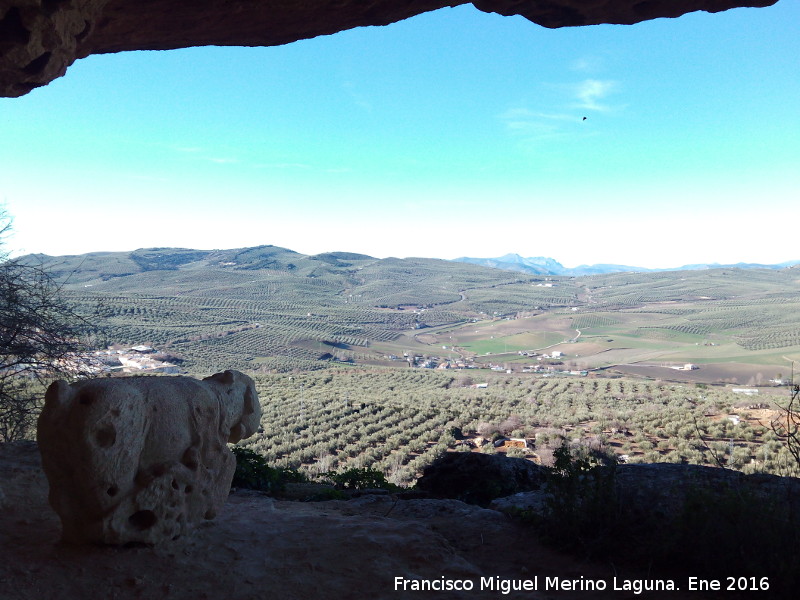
(260, 547)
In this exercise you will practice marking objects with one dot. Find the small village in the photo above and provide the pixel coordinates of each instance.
(541, 367)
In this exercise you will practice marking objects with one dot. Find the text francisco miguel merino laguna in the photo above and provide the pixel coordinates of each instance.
(506, 586)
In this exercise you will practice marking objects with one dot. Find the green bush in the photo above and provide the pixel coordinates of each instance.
(581, 503)
(361, 479)
(253, 472)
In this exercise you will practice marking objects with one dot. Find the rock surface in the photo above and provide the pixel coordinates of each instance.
(662, 489)
(142, 459)
(263, 548)
(39, 39)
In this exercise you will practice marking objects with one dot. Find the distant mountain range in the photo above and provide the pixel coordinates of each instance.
(542, 265)
(98, 267)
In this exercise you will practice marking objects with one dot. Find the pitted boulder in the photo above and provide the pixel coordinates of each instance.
(142, 459)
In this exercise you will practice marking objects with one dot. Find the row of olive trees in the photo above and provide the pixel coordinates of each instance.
(40, 339)
(387, 418)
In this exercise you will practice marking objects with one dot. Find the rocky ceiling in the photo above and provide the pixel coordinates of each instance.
(39, 39)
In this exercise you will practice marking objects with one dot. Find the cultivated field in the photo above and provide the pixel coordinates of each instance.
(338, 343)
(271, 309)
(398, 421)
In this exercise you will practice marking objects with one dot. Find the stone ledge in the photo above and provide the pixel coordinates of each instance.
(40, 39)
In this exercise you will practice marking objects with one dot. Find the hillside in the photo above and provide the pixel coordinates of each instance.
(246, 306)
(268, 308)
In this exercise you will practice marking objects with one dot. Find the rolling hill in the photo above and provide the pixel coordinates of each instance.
(270, 308)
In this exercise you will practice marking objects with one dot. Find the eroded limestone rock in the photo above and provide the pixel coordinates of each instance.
(142, 459)
(39, 39)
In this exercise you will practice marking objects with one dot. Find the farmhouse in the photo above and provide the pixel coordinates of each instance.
(134, 364)
(142, 349)
(515, 443)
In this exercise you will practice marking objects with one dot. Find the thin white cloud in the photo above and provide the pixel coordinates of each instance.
(565, 117)
(515, 113)
(302, 167)
(202, 154)
(590, 92)
(530, 127)
(530, 123)
(525, 114)
(285, 165)
(188, 149)
(587, 64)
(144, 177)
(358, 98)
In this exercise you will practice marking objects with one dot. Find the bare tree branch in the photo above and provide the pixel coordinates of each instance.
(787, 425)
(41, 337)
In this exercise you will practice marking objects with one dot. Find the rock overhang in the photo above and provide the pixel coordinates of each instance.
(40, 39)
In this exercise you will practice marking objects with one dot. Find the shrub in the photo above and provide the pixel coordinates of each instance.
(581, 502)
(253, 472)
(361, 479)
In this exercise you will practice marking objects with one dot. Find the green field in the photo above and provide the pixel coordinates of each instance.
(513, 343)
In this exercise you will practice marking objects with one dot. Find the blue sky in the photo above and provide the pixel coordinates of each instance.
(453, 133)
